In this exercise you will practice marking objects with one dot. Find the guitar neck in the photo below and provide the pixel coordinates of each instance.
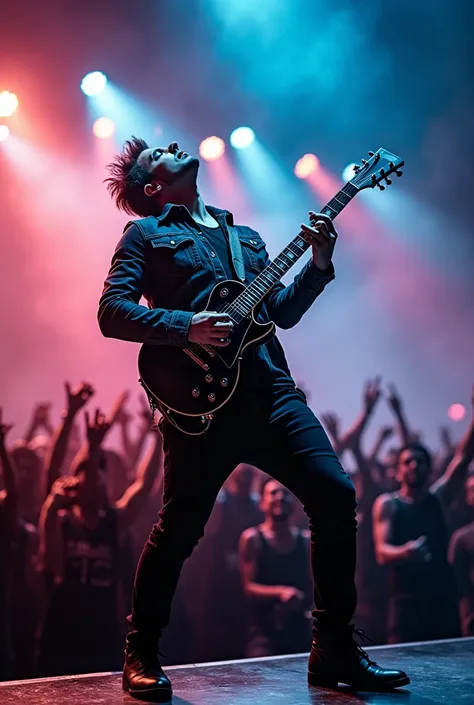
(266, 280)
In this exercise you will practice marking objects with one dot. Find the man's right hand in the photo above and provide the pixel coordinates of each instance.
(291, 596)
(64, 491)
(418, 550)
(211, 328)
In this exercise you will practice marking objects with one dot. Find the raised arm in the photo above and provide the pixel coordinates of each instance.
(10, 491)
(144, 428)
(385, 551)
(40, 418)
(62, 495)
(75, 400)
(332, 424)
(352, 439)
(134, 498)
(395, 404)
(383, 435)
(120, 417)
(452, 481)
(121, 316)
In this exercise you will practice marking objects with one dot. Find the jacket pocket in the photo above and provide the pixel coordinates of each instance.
(252, 247)
(174, 255)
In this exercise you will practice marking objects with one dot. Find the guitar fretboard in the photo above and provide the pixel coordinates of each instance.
(261, 285)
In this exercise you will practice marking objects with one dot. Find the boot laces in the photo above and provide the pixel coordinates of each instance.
(360, 634)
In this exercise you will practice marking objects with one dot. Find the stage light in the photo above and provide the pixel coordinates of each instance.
(4, 133)
(306, 166)
(212, 148)
(93, 83)
(348, 172)
(8, 103)
(456, 412)
(242, 137)
(103, 128)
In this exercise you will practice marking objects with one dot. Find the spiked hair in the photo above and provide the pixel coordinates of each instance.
(127, 179)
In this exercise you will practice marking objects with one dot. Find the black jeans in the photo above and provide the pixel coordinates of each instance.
(277, 432)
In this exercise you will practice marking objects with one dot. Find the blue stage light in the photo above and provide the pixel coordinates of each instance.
(242, 137)
(93, 83)
(348, 172)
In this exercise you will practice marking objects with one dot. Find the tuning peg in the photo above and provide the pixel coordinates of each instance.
(356, 168)
(374, 179)
(382, 171)
(398, 172)
(364, 161)
(388, 181)
(371, 154)
(382, 188)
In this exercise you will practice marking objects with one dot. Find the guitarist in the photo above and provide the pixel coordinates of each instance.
(173, 256)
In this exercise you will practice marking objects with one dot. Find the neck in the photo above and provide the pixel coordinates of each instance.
(191, 199)
(280, 529)
(415, 494)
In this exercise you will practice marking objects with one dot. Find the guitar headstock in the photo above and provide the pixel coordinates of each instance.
(377, 169)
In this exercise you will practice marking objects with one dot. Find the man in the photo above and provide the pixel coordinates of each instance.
(461, 557)
(174, 257)
(81, 533)
(411, 539)
(274, 563)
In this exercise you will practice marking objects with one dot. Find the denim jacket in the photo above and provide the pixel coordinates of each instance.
(170, 262)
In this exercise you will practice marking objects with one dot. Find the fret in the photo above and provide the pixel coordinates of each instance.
(259, 288)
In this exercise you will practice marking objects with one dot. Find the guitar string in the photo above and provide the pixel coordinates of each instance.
(240, 307)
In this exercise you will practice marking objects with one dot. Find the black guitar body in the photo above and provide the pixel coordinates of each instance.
(194, 382)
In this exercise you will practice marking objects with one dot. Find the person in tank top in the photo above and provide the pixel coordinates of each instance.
(274, 559)
(411, 538)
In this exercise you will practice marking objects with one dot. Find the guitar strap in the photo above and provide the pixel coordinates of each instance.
(236, 252)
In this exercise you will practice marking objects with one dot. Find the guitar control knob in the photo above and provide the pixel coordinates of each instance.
(205, 367)
(211, 397)
(196, 392)
(224, 292)
(209, 378)
(224, 382)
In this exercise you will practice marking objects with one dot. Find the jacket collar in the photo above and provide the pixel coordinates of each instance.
(174, 211)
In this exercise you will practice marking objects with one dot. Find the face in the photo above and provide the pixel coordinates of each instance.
(168, 166)
(413, 468)
(470, 491)
(92, 489)
(277, 502)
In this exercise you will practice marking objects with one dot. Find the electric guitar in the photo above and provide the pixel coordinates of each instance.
(188, 385)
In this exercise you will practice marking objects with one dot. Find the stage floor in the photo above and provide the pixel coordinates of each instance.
(441, 672)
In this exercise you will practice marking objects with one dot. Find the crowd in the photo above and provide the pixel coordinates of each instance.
(75, 513)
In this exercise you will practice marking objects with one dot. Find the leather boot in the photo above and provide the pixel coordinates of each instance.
(337, 658)
(143, 676)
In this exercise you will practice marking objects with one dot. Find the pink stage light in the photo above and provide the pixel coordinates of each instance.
(212, 148)
(457, 412)
(8, 103)
(306, 166)
(103, 128)
(4, 132)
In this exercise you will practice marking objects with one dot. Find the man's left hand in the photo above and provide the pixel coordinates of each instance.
(322, 236)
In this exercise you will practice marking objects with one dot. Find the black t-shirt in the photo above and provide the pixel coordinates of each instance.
(218, 240)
